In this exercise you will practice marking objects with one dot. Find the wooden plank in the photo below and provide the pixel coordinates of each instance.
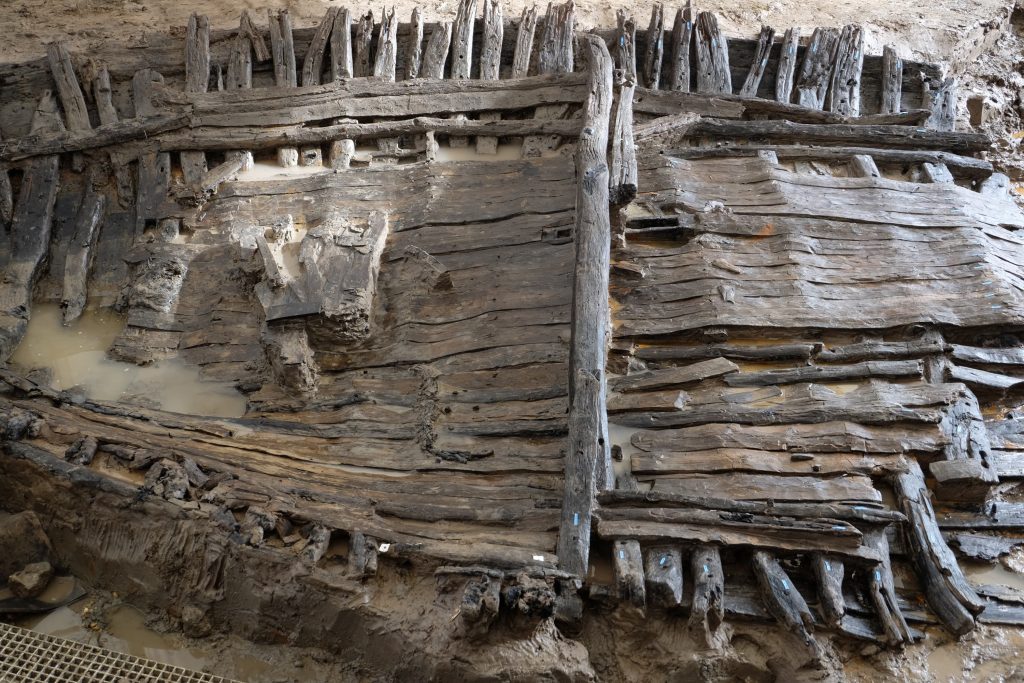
(675, 376)
(588, 461)
(70, 92)
(713, 75)
(414, 45)
(663, 576)
(844, 91)
(623, 172)
(743, 486)
(759, 62)
(80, 253)
(948, 592)
(362, 50)
(654, 47)
(313, 64)
(524, 42)
(783, 600)
(827, 373)
(435, 55)
(892, 81)
(987, 356)
(825, 437)
(797, 351)
(718, 460)
(882, 590)
(816, 68)
(123, 176)
(341, 45)
(628, 566)
(880, 350)
(386, 61)
(707, 611)
(679, 59)
(787, 65)
(462, 39)
(982, 379)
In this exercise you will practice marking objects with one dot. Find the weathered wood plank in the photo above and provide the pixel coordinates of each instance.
(70, 92)
(759, 62)
(462, 39)
(197, 79)
(743, 486)
(882, 590)
(942, 102)
(386, 61)
(825, 373)
(829, 574)
(948, 592)
(667, 377)
(713, 75)
(787, 65)
(341, 45)
(844, 91)
(313, 64)
(435, 55)
(892, 81)
(816, 68)
(414, 45)
(524, 42)
(588, 461)
(679, 59)
(718, 460)
(797, 351)
(623, 172)
(362, 50)
(490, 64)
(987, 356)
(239, 75)
(80, 253)
(654, 47)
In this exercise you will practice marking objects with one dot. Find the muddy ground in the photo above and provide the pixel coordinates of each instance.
(980, 41)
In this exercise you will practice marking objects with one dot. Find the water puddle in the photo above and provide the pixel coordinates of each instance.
(946, 663)
(77, 357)
(993, 575)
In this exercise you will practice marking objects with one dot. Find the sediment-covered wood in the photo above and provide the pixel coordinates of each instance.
(829, 571)
(782, 599)
(882, 591)
(663, 576)
(629, 572)
(80, 253)
(707, 610)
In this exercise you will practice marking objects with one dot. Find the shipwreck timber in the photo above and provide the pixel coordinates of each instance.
(774, 266)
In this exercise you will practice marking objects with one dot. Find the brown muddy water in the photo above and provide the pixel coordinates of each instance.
(77, 357)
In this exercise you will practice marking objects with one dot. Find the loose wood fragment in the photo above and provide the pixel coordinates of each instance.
(654, 49)
(892, 81)
(948, 592)
(935, 173)
(436, 53)
(386, 61)
(679, 59)
(882, 590)
(219, 174)
(341, 45)
(759, 62)
(663, 576)
(588, 461)
(80, 253)
(68, 89)
(787, 65)
(829, 574)
(462, 39)
(816, 68)
(942, 102)
(713, 75)
(629, 572)
(362, 54)
(414, 45)
(313, 64)
(844, 91)
(524, 42)
(708, 608)
(783, 600)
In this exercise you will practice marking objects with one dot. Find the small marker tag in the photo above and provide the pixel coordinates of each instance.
(828, 566)
(575, 519)
(538, 558)
(706, 570)
(785, 585)
(622, 554)
(663, 561)
(878, 575)
(384, 547)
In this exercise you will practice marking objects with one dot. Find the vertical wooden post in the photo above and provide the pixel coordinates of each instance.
(197, 79)
(588, 420)
(787, 65)
(892, 81)
(524, 42)
(490, 66)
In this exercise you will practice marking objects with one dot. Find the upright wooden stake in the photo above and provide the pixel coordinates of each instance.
(679, 60)
(892, 81)
(708, 609)
(490, 66)
(313, 64)
(654, 51)
(713, 76)
(462, 39)
(588, 427)
(787, 66)
(524, 42)
(414, 46)
(70, 93)
(759, 62)
(364, 39)
(625, 46)
(844, 91)
(341, 46)
(197, 79)
(436, 53)
(282, 48)
(816, 69)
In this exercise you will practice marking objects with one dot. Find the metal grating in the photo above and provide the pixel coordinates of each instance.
(30, 657)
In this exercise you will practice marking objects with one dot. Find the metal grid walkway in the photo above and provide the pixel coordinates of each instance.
(30, 657)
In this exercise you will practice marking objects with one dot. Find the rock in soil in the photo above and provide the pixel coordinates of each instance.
(31, 581)
(22, 542)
